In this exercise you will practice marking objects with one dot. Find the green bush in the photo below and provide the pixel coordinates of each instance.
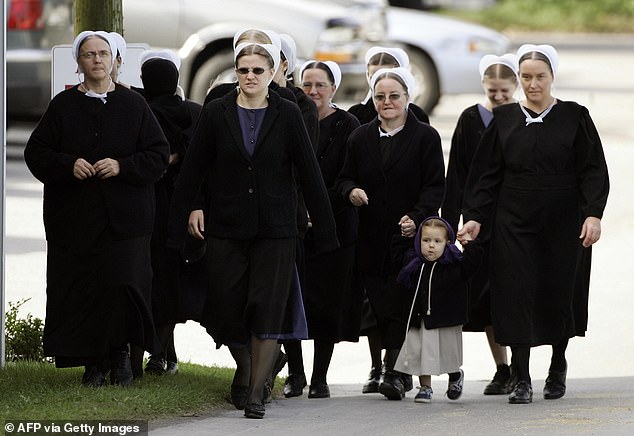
(23, 335)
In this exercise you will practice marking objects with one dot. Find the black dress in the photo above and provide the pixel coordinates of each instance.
(464, 143)
(540, 182)
(332, 297)
(98, 231)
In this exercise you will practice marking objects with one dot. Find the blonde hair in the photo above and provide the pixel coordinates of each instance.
(499, 71)
(253, 49)
(435, 222)
(253, 35)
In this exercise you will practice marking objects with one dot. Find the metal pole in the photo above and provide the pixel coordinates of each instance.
(3, 162)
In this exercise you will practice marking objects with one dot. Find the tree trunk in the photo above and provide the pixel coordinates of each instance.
(98, 15)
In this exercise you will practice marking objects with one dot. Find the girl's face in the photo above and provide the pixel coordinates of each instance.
(536, 80)
(254, 74)
(95, 59)
(390, 99)
(433, 241)
(499, 91)
(318, 87)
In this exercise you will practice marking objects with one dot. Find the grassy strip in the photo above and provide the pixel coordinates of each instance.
(607, 16)
(39, 391)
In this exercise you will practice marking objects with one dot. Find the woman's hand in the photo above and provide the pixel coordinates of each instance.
(82, 169)
(174, 158)
(106, 168)
(469, 231)
(358, 197)
(196, 224)
(408, 227)
(590, 231)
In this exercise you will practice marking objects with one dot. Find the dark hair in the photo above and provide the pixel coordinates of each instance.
(93, 36)
(253, 49)
(500, 71)
(383, 59)
(535, 55)
(253, 35)
(389, 75)
(320, 66)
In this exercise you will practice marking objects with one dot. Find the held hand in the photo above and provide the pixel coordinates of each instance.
(590, 231)
(358, 197)
(174, 158)
(82, 169)
(469, 231)
(196, 224)
(106, 168)
(408, 227)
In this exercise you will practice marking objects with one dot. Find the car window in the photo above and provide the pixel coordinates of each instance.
(39, 24)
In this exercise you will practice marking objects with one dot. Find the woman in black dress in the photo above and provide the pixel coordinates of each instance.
(395, 174)
(98, 150)
(251, 145)
(499, 81)
(541, 174)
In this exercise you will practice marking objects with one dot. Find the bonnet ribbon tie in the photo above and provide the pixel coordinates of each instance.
(540, 117)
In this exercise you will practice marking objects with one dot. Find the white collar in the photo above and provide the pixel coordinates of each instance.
(540, 117)
(391, 132)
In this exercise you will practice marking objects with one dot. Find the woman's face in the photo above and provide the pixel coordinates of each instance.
(536, 80)
(254, 74)
(318, 87)
(433, 241)
(390, 99)
(95, 59)
(499, 91)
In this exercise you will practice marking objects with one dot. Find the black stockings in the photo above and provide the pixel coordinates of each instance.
(321, 361)
(520, 360)
(295, 357)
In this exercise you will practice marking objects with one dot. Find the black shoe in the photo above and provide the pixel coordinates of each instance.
(269, 384)
(555, 386)
(408, 384)
(501, 383)
(254, 410)
(155, 365)
(371, 386)
(522, 393)
(93, 377)
(120, 368)
(392, 385)
(294, 385)
(319, 390)
(239, 396)
(454, 388)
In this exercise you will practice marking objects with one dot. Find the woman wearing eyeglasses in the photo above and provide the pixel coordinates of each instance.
(251, 146)
(394, 173)
(98, 150)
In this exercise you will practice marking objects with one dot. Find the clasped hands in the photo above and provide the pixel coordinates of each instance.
(103, 169)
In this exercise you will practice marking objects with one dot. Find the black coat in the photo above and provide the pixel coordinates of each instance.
(366, 112)
(75, 126)
(412, 183)
(252, 196)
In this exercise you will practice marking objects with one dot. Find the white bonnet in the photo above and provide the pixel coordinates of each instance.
(121, 45)
(100, 33)
(167, 55)
(273, 36)
(271, 50)
(332, 66)
(403, 73)
(508, 59)
(289, 48)
(545, 49)
(399, 54)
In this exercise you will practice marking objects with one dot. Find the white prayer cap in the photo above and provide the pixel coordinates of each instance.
(274, 37)
(397, 53)
(332, 66)
(508, 59)
(403, 73)
(167, 55)
(545, 49)
(121, 45)
(289, 48)
(99, 33)
(271, 50)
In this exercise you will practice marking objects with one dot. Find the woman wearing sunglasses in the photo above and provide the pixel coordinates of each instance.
(251, 146)
(394, 173)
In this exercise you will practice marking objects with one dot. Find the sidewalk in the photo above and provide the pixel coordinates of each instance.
(603, 406)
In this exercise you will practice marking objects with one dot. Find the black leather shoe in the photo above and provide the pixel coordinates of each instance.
(254, 410)
(120, 368)
(319, 390)
(555, 386)
(294, 385)
(371, 386)
(269, 384)
(239, 396)
(392, 386)
(501, 383)
(155, 365)
(93, 377)
(408, 384)
(522, 393)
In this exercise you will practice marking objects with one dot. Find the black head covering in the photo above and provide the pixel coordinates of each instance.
(160, 77)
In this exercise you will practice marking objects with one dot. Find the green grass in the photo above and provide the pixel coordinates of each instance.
(39, 391)
(603, 16)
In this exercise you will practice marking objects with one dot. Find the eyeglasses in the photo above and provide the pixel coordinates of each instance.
(320, 86)
(93, 54)
(392, 97)
(244, 71)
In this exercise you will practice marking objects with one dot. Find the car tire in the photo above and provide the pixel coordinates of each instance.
(218, 68)
(427, 83)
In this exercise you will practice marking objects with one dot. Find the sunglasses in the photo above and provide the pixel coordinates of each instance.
(383, 97)
(244, 71)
